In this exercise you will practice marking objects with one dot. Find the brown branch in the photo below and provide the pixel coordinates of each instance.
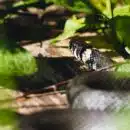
(52, 89)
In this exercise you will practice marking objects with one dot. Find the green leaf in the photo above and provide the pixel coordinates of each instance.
(7, 117)
(127, 1)
(122, 24)
(81, 6)
(24, 2)
(122, 119)
(14, 61)
(127, 49)
(74, 24)
(104, 6)
(100, 4)
(122, 11)
(71, 26)
(124, 67)
(96, 21)
(7, 82)
(74, 5)
(122, 70)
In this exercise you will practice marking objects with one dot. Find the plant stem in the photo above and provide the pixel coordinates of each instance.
(109, 8)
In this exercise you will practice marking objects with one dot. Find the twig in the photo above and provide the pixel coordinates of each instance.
(106, 68)
(48, 90)
(52, 89)
(38, 95)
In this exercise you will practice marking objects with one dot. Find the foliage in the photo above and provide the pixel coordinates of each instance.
(7, 117)
(123, 67)
(23, 2)
(122, 119)
(116, 16)
(74, 5)
(111, 9)
(122, 11)
(8, 120)
(87, 6)
(71, 26)
(122, 30)
(15, 61)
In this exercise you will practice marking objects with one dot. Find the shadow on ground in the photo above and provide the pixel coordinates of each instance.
(50, 71)
(37, 25)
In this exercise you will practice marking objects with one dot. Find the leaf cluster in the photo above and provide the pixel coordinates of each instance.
(14, 61)
(112, 14)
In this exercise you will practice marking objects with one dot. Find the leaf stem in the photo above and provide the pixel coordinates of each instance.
(109, 8)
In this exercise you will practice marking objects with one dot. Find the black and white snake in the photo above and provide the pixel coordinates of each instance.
(90, 56)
